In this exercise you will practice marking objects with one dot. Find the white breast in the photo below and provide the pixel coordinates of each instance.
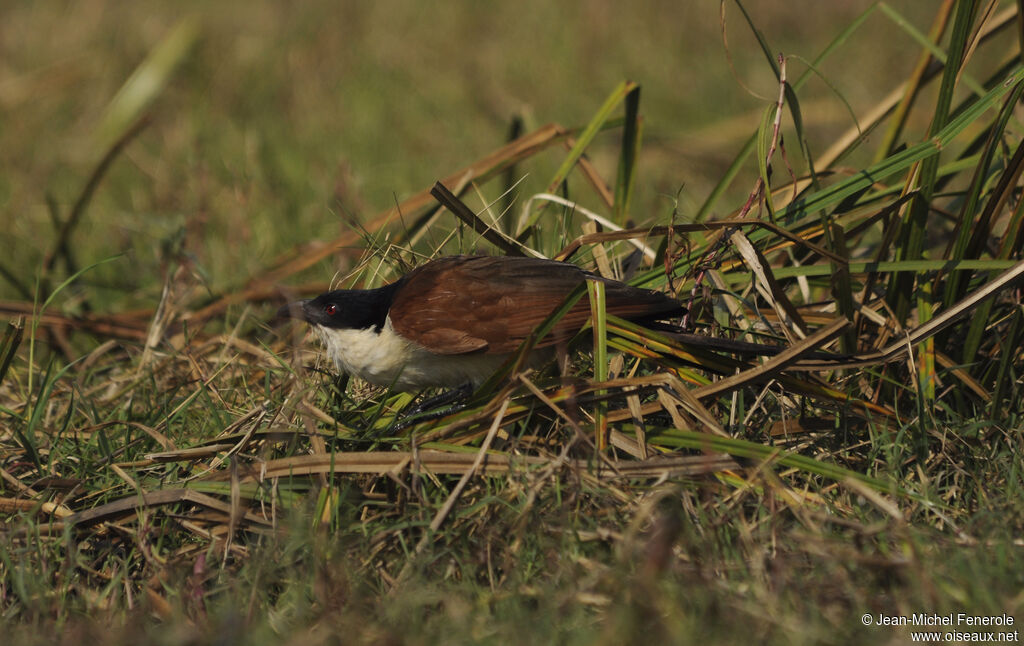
(386, 359)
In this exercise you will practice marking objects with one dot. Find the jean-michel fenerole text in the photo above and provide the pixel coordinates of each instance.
(951, 619)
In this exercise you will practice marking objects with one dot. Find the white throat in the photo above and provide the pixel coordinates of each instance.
(384, 358)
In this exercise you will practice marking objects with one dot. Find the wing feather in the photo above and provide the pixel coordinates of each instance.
(464, 304)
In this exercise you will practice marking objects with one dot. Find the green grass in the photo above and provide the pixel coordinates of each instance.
(177, 471)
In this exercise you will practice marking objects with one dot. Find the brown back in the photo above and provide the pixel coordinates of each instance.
(462, 304)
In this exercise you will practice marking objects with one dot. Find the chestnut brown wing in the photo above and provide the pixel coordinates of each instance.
(463, 304)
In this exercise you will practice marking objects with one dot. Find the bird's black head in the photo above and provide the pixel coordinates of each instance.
(356, 309)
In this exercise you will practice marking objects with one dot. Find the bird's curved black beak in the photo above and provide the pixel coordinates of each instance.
(293, 310)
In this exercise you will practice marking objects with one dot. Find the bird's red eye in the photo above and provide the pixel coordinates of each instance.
(331, 309)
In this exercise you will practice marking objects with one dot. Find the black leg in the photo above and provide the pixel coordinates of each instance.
(436, 407)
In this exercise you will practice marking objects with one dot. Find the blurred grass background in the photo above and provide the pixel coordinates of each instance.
(286, 121)
(283, 124)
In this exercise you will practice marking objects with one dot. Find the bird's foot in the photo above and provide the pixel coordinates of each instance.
(435, 407)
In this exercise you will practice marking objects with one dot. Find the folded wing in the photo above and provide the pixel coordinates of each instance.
(465, 304)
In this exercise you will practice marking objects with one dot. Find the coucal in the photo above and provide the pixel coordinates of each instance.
(455, 320)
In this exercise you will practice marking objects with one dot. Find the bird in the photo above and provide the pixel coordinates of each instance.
(454, 321)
